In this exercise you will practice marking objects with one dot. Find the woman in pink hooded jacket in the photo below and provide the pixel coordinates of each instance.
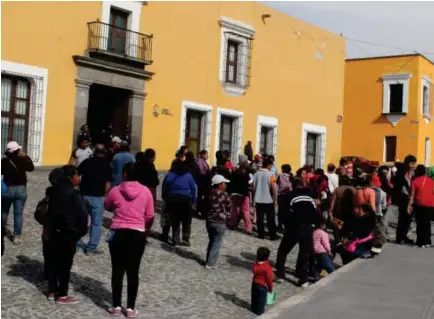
(133, 208)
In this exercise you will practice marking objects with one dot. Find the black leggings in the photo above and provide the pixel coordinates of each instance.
(59, 252)
(180, 212)
(126, 250)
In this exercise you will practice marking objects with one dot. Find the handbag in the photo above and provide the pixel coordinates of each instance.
(41, 211)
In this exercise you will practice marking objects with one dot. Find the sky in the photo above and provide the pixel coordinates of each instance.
(394, 27)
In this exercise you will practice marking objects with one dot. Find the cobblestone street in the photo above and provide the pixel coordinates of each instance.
(173, 283)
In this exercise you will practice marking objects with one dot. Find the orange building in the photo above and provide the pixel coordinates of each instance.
(212, 75)
(388, 108)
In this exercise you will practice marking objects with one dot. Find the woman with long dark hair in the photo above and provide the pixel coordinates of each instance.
(402, 191)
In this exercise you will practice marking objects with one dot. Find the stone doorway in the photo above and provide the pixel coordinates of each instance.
(107, 105)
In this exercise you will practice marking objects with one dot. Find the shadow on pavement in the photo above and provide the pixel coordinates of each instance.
(238, 262)
(32, 271)
(183, 253)
(234, 299)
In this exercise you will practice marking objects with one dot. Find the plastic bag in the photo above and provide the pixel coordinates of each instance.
(271, 298)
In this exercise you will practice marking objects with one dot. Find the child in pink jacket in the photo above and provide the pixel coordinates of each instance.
(133, 208)
(321, 248)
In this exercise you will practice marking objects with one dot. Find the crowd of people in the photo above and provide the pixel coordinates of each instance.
(352, 204)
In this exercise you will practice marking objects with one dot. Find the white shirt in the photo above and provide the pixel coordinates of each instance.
(81, 155)
(333, 181)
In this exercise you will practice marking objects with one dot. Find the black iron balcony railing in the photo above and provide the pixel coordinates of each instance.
(119, 41)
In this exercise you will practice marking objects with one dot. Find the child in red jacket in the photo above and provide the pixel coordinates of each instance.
(262, 282)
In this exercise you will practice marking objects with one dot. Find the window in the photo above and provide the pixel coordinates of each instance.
(235, 55)
(390, 148)
(313, 145)
(266, 140)
(232, 62)
(311, 150)
(226, 133)
(15, 110)
(426, 98)
(427, 152)
(396, 98)
(193, 131)
(229, 132)
(117, 36)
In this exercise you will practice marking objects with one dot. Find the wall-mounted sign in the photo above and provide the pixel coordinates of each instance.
(156, 111)
(339, 118)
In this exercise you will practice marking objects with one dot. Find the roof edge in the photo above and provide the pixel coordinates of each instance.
(390, 57)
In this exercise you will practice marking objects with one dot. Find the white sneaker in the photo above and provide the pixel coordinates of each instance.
(305, 285)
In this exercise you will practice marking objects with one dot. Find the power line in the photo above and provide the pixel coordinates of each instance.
(386, 46)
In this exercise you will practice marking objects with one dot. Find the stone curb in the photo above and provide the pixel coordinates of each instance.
(307, 293)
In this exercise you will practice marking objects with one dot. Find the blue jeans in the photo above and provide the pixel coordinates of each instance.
(96, 205)
(215, 235)
(17, 196)
(324, 262)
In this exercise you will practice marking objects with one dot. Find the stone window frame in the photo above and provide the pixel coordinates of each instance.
(321, 131)
(389, 79)
(134, 9)
(238, 128)
(229, 29)
(32, 71)
(207, 128)
(271, 122)
(426, 83)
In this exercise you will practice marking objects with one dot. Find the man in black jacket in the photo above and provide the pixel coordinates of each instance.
(299, 223)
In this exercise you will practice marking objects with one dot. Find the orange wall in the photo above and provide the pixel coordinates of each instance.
(425, 129)
(287, 81)
(47, 35)
(364, 126)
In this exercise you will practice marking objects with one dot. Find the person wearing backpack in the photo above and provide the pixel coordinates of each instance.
(284, 189)
(66, 223)
(14, 166)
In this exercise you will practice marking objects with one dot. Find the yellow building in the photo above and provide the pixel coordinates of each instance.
(212, 75)
(388, 110)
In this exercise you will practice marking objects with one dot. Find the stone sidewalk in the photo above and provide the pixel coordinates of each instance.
(399, 284)
(173, 283)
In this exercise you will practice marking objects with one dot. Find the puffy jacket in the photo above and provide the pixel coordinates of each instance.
(67, 210)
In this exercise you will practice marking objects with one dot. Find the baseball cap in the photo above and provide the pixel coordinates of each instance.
(116, 139)
(13, 146)
(218, 179)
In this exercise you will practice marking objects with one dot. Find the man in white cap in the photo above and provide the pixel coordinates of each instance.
(116, 145)
(14, 166)
(217, 216)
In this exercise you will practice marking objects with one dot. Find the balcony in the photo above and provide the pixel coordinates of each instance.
(118, 44)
